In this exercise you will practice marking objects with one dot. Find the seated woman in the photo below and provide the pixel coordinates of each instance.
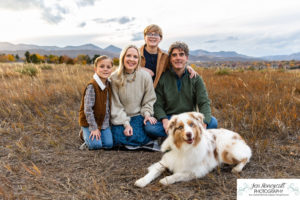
(133, 98)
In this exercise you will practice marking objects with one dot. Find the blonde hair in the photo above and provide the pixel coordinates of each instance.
(120, 81)
(153, 28)
(100, 58)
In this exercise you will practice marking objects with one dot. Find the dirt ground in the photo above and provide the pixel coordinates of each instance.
(39, 163)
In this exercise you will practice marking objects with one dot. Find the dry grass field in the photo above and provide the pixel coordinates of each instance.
(39, 156)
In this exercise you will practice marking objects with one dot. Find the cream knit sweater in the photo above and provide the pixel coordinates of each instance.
(134, 98)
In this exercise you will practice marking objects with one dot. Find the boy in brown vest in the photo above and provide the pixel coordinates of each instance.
(95, 107)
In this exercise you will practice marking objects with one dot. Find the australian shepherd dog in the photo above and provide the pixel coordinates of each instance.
(191, 151)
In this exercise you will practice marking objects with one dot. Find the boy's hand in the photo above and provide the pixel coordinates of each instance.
(95, 134)
(192, 72)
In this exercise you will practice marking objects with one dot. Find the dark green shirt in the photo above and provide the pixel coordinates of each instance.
(177, 95)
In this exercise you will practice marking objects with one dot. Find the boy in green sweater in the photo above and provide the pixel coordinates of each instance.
(177, 93)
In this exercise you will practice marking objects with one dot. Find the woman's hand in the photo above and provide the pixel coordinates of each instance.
(128, 131)
(192, 72)
(95, 134)
(152, 120)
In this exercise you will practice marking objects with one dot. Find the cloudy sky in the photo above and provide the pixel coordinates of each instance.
(250, 27)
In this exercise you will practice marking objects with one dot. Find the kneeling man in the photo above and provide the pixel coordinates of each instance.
(177, 93)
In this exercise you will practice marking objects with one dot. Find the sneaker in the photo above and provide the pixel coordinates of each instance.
(132, 147)
(83, 146)
(152, 145)
(81, 135)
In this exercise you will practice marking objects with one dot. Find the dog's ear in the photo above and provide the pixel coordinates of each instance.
(171, 124)
(199, 117)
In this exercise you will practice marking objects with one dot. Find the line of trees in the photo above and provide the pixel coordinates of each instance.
(9, 58)
(37, 58)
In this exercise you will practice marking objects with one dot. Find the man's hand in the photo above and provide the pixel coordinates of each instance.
(165, 124)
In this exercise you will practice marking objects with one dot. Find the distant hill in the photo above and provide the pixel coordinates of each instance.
(206, 56)
(113, 51)
(113, 48)
(71, 51)
(294, 56)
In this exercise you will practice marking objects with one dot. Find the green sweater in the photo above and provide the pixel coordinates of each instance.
(177, 95)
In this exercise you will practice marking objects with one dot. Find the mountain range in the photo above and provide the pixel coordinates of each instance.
(113, 51)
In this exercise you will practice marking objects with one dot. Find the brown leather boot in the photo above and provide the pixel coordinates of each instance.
(81, 135)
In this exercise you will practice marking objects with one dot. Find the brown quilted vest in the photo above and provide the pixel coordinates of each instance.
(99, 107)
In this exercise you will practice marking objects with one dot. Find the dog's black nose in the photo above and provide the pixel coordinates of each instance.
(188, 134)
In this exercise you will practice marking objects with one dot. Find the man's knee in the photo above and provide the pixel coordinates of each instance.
(213, 123)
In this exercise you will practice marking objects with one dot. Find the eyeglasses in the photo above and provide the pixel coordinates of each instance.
(156, 35)
(176, 54)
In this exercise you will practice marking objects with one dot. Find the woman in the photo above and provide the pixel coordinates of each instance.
(133, 97)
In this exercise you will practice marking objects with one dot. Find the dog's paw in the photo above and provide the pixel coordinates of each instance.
(141, 183)
(236, 170)
(164, 181)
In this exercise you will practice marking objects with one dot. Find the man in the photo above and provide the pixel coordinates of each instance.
(177, 93)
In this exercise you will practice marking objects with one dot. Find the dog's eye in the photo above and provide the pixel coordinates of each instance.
(180, 127)
(192, 124)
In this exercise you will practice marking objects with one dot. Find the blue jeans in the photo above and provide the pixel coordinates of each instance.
(105, 141)
(157, 130)
(139, 136)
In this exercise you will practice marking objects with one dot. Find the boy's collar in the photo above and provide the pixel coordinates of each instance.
(99, 82)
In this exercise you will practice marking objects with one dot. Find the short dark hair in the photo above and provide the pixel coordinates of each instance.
(179, 45)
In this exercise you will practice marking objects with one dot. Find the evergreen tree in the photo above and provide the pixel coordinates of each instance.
(27, 55)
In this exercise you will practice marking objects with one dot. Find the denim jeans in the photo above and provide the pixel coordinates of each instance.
(105, 141)
(139, 136)
(157, 130)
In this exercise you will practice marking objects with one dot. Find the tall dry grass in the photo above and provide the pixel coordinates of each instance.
(262, 102)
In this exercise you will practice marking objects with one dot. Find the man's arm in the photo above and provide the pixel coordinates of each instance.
(202, 100)
(159, 111)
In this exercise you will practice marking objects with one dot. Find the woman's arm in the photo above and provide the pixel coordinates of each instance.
(118, 114)
(149, 96)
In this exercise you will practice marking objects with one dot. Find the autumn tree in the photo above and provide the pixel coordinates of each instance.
(116, 61)
(83, 59)
(10, 58)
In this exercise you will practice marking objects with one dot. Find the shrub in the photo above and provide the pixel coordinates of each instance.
(28, 70)
(223, 71)
(46, 67)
